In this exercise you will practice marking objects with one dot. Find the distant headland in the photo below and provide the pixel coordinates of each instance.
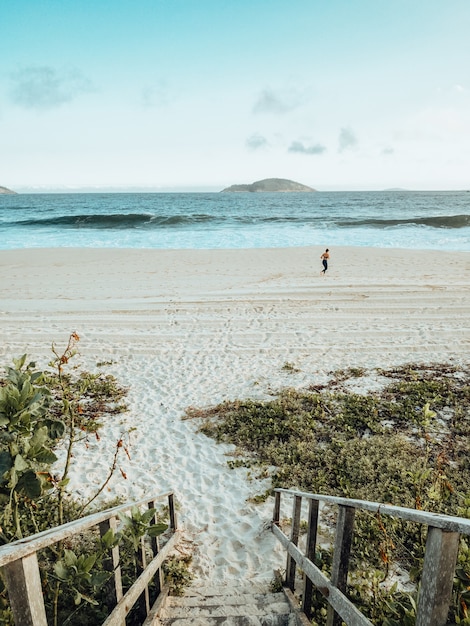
(5, 190)
(270, 185)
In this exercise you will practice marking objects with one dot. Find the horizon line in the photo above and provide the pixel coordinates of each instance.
(38, 189)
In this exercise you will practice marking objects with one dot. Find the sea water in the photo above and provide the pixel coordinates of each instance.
(397, 219)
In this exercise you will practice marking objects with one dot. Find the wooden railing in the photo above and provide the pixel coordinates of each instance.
(19, 563)
(442, 545)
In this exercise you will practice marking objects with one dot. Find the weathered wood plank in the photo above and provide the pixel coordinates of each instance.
(437, 579)
(144, 599)
(111, 562)
(24, 586)
(155, 543)
(342, 550)
(310, 549)
(342, 605)
(277, 507)
(130, 598)
(158, 604)
(23, 547)
(300, 618)
(445, 522)
(172, 512)
(294, 537)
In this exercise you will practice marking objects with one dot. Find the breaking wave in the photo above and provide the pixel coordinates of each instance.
(438, 221)
(152, 221)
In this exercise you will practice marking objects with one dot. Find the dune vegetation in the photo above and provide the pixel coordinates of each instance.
(405, 443)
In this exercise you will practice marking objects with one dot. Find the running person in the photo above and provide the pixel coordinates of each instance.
(324, 259)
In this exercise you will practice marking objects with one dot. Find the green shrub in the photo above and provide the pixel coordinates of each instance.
(39, 409)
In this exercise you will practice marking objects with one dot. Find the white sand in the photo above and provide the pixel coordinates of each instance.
(197, 327)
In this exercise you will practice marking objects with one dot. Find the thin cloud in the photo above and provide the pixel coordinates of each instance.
(347, 139)
(256, 141)
(299, 147)
(272, 102)
(388, 151)
(44, 87)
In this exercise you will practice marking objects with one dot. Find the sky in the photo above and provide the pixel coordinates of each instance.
(182, 95)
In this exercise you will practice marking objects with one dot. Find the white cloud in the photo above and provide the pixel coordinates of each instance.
(347, 139)
(277, 103)
(256, 141)
(299, 147)
(44, 87)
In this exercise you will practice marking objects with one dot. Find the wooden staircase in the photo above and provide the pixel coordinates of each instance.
(225, 605)
(251, 604)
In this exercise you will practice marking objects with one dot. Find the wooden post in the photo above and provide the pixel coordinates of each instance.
(310, 554)
(23, 582)
(437, 579)
(172, 512)
(342, 549)
(145, 597)
(154, 542)
(294, 537)
(277, 508)
(111, 563)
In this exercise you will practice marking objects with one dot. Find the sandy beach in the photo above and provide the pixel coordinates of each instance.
(195, 327)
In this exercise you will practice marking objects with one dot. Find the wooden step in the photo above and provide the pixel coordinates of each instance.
(240, 620)
(226, 605)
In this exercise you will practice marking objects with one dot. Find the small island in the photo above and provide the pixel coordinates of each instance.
(271, 185)
(5, 190)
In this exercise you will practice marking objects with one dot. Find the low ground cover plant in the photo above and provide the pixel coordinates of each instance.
(405, 444)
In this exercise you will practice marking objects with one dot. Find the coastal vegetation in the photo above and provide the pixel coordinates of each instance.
(405, 443)
(40, 412)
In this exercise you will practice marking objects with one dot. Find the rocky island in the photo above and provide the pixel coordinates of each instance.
(271, 185)
(5, 190)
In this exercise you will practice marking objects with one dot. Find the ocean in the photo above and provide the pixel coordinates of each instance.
(389, 219)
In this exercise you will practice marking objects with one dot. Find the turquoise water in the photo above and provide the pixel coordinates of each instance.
(423, 220)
